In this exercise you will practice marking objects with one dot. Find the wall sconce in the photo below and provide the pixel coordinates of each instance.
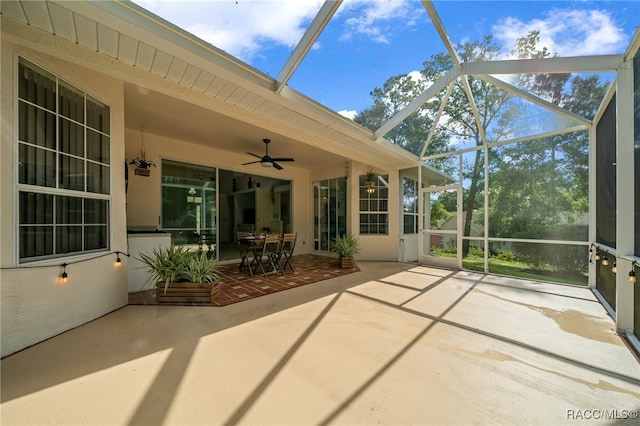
(64, 275)
(118, 260)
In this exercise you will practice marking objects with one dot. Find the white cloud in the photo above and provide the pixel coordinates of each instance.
(375, 20)
(567, 32)
(350, 114)
(241, 27)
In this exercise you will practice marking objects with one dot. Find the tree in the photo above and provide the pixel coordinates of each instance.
(552, 172)
(438, 214)
(534, 183)
(461, 123)
(395, 94)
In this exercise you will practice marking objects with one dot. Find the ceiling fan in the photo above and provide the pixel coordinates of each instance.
(266, 160)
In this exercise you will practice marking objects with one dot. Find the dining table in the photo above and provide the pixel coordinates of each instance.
(248, 244)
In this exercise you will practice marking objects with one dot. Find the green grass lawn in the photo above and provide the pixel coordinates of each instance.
(521, 270)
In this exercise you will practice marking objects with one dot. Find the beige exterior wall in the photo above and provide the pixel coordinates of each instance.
(143, 197)
(375, 247)
(34, 305)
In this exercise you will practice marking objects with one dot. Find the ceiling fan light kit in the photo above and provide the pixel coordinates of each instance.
(267, 161)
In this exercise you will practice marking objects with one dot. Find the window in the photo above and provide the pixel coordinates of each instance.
(63, 167)
(374, 206)
(189, 202)
(410, 206)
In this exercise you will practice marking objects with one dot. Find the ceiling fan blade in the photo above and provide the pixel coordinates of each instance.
(282, 159)
(253, 162)
(255, 155)
(277, 166)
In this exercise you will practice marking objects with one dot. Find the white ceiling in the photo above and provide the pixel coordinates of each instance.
(196, 92)
(164, 115)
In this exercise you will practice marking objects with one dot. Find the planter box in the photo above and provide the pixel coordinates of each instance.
(346, 262)
(186, 292)
(142, 172)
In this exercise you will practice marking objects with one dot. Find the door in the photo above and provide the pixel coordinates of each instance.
(441, 242)
(329, 212)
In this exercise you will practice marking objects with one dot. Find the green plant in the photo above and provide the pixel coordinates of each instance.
(346, 245)
(371, 176)
(476, 252)
(201, 269)
(176, 263)
(141, 163)
(167, 264)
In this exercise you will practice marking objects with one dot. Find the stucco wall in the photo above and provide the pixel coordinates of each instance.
(34, 304)
(375, 247)
(143, 196)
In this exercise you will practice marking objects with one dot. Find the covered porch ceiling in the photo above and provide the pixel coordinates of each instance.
(153, 112)
(178, 86)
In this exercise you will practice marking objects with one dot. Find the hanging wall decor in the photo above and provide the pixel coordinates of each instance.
(143, 165)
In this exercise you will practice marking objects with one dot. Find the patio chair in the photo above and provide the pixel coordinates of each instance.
(265, 259)
(286, 250)
(244, 250)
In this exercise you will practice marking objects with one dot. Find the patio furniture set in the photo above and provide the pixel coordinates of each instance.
(266, 254)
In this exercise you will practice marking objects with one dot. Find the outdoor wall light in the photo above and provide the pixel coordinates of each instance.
(64, 275)
(118, 260)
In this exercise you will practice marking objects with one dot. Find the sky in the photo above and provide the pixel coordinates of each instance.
(367, 42)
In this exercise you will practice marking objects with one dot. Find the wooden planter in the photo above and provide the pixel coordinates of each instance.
(186, 292)
(142, 172)
(346, 262)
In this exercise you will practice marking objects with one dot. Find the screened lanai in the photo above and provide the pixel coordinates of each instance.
(499, 240)
(522, 118)
(501, 132)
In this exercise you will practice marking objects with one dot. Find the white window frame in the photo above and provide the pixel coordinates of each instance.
(56, 191)
(381, 182)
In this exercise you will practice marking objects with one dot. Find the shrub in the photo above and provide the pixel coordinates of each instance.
(176, 263)
(476, 252)
(346, 245)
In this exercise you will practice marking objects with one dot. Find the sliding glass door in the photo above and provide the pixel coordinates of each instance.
(189, 203)
(329, 211)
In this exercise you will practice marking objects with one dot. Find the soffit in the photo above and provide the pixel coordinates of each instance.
(252, 108)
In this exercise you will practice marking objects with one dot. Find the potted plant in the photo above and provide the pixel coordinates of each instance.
(370, 179)
(142, 165)
(346, 246)
(180, 275)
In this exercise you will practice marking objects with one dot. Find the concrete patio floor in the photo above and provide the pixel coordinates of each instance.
(391, 344)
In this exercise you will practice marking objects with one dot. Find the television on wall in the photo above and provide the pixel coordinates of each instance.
(249, 216)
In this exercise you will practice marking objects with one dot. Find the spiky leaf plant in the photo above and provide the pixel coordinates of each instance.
(346, 245)
(166, 265)
(201, 269)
